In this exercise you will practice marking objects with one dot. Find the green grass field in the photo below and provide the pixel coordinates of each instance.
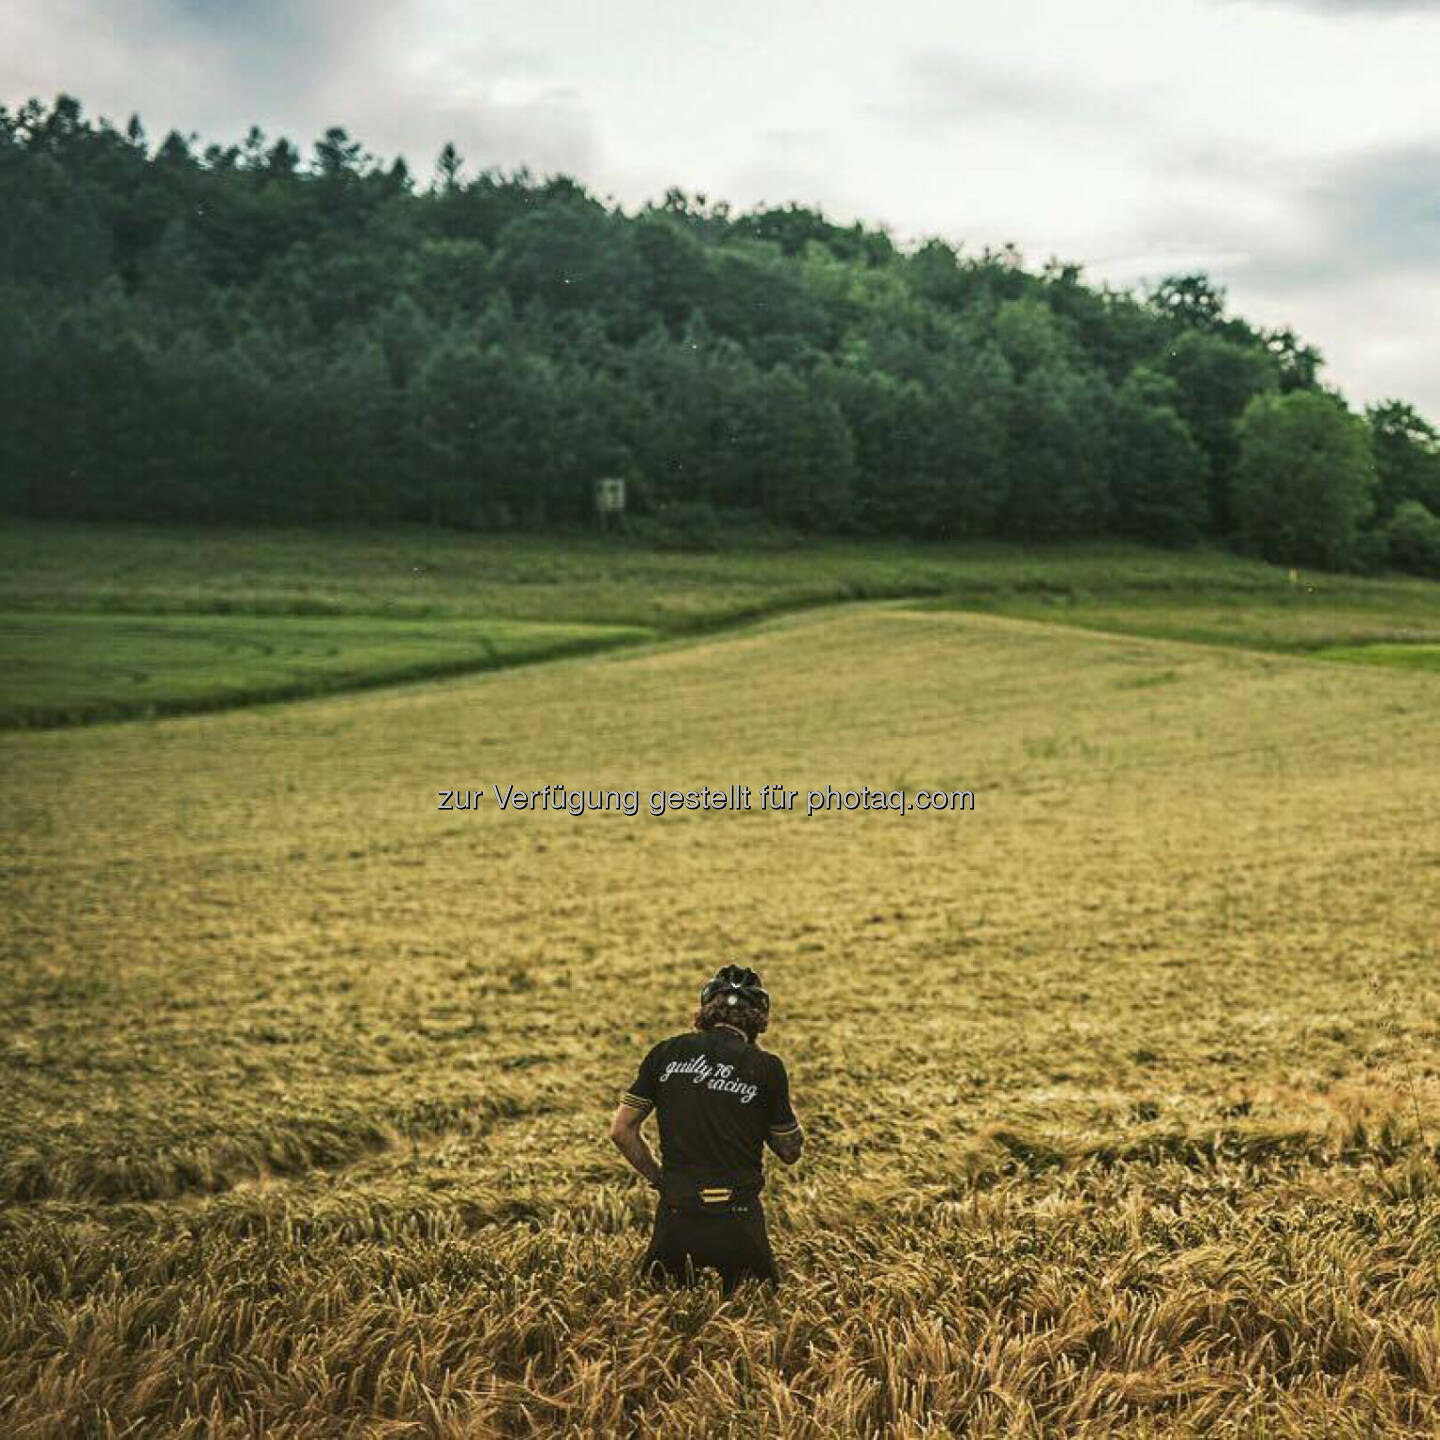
(66, 667)
(1315, 618)
(422, 574)
(100, 623)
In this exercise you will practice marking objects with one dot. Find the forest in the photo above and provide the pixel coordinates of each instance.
(243, 333)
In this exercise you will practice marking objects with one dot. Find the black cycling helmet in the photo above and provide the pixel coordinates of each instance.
(737, 983)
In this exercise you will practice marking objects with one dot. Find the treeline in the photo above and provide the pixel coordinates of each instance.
(245, 334)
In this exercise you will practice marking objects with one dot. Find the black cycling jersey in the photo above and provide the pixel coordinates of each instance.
(717, 1096)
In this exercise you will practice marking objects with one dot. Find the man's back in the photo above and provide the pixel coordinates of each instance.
(716, 1096)
(719, 1099)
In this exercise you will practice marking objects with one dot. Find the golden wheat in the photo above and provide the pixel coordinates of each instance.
(1112, 1084)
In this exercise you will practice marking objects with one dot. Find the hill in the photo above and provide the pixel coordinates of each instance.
(242, 334)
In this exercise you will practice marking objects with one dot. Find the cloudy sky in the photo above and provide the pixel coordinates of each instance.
(1291, 148)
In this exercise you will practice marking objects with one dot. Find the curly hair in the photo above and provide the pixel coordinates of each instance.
(743, 1015)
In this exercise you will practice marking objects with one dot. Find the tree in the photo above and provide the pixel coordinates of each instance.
(677, 277)
(447, 167)
(282, 160)
(1192, 301)
(1113, 330)
(695, 390)
(570, 255)
(1297, 364)
(1057, 455)
(1216, 380)
(1413, 536)
(172, 277)
(794, 455)
(54, 233)
(1029, 335)
(934, 272)
(406, 337)
(1304, 480)
(337, 156)
(885, 417)
(451, 277)
(1158, 471)
(753, 292)
(1407, 458)
(350, 417)
(961, 445)
(484, 419)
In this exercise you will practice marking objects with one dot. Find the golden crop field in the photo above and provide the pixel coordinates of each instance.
(1121, 1089)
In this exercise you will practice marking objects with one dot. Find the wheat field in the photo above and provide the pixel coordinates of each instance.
(1121, 1088)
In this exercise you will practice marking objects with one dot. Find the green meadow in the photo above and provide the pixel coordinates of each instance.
(65, 667)
(102, 623)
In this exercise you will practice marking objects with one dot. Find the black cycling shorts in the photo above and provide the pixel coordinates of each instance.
(733, 1241)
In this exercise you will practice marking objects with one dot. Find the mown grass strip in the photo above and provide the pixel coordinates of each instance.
(69, 669)
(1369, 628)
(1399, 657)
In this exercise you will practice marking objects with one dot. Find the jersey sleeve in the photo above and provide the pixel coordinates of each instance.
(642, 1093)
(781, 1120)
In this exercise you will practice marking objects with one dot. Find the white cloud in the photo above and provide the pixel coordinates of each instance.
(1362, 8)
